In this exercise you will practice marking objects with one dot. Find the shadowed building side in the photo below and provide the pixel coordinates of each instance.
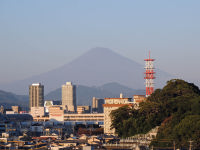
(36, 95)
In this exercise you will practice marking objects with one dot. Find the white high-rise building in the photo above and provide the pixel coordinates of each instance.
(69, 96)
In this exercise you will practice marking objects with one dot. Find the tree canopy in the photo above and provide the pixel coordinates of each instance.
(175, 108)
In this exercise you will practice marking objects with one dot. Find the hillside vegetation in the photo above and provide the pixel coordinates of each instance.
(175, 108)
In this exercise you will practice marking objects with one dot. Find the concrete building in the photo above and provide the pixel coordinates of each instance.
(37, 111)
(36, 95)
(98, 117)
(1, 110)
(16, 109)
(56, 113)
(49, 103)
(69, 96)
(113, 104)
(97, 105)
(83, 109)
(137, 99)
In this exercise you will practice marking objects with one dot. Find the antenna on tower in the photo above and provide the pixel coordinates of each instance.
(149, 53)
(149, 75)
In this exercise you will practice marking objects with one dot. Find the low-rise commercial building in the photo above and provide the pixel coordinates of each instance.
(37, 111)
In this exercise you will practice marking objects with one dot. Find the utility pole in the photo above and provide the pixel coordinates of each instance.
(174, 145)
(190, 148)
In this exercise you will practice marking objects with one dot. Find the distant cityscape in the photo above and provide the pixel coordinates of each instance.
(61, 124)
(57, 125)
(49, 119)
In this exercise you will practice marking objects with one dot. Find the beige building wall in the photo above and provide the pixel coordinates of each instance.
(69, 96)
(84, 117)
(37, 111)
(16, 109)
(56, 113)
(110, 105)
(97, 105)
(36, 95)
(137, 99)
(94, 103)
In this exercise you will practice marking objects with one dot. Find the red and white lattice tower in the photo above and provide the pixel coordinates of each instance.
(149, 76)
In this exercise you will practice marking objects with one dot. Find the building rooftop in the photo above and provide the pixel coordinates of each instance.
(36, 84)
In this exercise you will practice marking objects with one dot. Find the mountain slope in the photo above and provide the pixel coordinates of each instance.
(8, 99)
(96, 67)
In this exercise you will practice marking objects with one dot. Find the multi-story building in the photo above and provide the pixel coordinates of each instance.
(37, 111)
(137, 99)
(97, 105)
(113, 104)
(56, 113)
(83, 109)
(69, 96)
(36, 95)
(49, 103)
(16, 109)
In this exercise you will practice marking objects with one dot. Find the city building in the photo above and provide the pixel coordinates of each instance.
(16, 109)
(113, 104)
(56, 113)
(83, 109)
(48, 103)
(137, 99)
(69, 96)
(89, 117)
(36, 95)
(97, 105)
(37, 111)
(1, 110)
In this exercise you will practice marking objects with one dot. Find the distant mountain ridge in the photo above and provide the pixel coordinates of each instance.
(8, 99)
(96, 67)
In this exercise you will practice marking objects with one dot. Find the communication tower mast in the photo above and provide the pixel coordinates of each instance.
(149, 76)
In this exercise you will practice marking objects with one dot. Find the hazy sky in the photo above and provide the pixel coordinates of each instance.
(37, 36)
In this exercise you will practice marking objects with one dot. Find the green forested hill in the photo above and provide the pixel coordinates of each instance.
(175, 108)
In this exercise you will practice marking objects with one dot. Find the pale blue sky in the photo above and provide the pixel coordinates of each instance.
(37, 36)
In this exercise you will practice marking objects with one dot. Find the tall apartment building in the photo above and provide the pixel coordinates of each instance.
(113, 104)
(69, 96)
(36, 95)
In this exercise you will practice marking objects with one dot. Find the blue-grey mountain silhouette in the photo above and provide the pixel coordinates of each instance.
(96, 67)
